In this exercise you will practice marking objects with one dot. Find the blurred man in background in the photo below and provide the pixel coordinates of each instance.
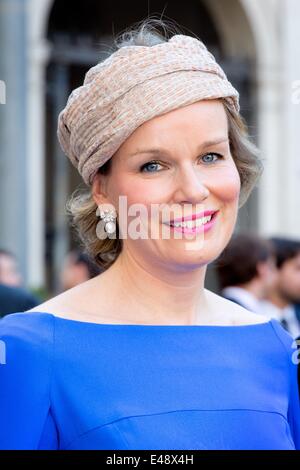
(283, 300)
(77, 268)
(246, 271)
(9, 272)
(13, 298)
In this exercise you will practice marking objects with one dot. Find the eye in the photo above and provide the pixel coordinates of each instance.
(208, 158)
(151, 166)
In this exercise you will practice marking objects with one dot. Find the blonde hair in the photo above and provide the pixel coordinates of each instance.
(82, 207)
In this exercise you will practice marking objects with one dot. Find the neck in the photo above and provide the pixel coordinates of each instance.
(157, 295)
(277, 299)
(255, 288)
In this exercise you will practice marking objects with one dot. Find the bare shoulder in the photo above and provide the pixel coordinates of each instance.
(77, 303)
(55, 305)
(236, 314)
(60, 304)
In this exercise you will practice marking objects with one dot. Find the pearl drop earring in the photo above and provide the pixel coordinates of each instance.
(109, 217)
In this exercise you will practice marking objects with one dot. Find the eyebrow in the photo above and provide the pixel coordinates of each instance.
(207, 143)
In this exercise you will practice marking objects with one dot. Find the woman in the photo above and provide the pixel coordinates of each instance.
(143, 356)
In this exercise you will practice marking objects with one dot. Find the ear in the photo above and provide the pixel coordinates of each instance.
(99, 189)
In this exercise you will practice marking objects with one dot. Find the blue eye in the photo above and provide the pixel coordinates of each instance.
(150, 165)
(217, 155)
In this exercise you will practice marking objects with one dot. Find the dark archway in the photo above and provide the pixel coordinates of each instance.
(101, 18)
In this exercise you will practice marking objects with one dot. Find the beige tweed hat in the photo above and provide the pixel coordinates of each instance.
(133, 85)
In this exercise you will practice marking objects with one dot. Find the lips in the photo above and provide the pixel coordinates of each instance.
(196, 226)
(200, 215)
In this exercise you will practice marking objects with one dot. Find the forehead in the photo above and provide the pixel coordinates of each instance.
(203, 120)
(293, 262)
(196, 115)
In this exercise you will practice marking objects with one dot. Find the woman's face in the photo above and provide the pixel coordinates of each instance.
(180, 159)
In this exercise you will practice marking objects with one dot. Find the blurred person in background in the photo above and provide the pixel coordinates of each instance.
(246, 271)
(283, 300)
(9, 271)
(13, 297)
(77, 268)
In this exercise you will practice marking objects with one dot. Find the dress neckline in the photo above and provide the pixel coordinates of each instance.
(138, 325)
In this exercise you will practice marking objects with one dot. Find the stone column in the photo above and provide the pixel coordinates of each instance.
(13, 130)
(279, 129)
(38, 56)
(289, 185)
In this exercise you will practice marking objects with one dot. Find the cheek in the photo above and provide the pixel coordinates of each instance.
(140, 196)
(226, 184)
(139, 191)
(292, 278)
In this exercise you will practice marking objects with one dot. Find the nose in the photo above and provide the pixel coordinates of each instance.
(191, 186)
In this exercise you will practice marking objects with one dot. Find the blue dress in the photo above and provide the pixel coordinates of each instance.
(67, 384)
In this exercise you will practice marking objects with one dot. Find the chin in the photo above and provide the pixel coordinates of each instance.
(206, 252)
(193, 257)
